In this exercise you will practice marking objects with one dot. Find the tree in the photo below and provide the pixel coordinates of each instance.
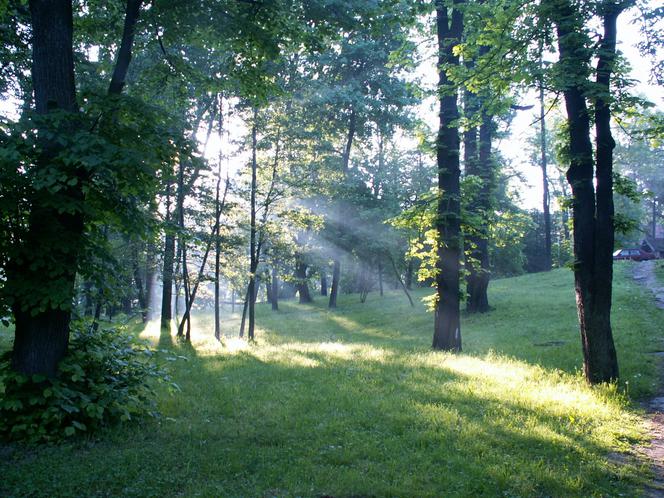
(592, 206)
(447, 325)
(48, 252)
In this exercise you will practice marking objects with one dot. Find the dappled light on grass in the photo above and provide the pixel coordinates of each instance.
(355, 403)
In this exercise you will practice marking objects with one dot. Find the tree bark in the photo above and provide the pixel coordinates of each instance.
(380, 279)
(409, 274)
(132, 11)
(447, 326)
(167, 269)
(252, 241)
(275, 288)
(41, 336)
(345, 164)
(150, 275)
(302, 281)
(479, 272)
(602, 362)
(138, 280)
(592, 210)
(336, 275)
(546, 198)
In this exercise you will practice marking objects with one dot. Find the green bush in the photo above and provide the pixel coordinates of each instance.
(107, 377)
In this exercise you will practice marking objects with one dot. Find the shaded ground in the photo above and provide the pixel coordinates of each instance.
(354, 403)
(644, 273)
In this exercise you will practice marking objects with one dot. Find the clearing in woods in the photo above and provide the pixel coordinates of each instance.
(354, 403)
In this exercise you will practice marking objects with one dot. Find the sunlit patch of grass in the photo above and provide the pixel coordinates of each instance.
(353, 402)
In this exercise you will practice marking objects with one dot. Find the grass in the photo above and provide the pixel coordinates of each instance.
(354, 403)
(659, 271)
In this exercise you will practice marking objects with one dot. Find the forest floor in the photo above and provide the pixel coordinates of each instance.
(354, 403)
(649, 275)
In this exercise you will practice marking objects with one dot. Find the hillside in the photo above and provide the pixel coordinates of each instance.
(354, 403)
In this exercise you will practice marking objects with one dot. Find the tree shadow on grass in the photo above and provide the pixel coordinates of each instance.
(339, 423)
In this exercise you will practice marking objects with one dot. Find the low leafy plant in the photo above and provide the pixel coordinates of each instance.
(107, 378)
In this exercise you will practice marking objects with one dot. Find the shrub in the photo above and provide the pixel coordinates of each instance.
(107, 377)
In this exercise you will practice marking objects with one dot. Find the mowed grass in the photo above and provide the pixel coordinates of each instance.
(354, 403)
(659, 271)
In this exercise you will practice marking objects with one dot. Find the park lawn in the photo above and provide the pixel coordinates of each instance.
(659, 271)
(354, 403)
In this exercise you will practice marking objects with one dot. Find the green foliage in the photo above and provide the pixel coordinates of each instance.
(106, 378)
(88, 166)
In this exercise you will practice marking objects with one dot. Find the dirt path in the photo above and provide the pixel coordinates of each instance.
(644, 274)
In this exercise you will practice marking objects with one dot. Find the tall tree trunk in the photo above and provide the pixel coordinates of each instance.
(336, 275)
(345, 163)
(150, 275)
(87, 299)
(447, 326)
(409, 274)
(479, 274)
(138, 280)
(268, 288)
(302, 281)
(602, 362)
(132, 11)
(252, 237)
(546, 198)
(654, 218)
(275, 288)
(167, 268)
(380, 278)
(217, 235)
(41, 336)
(592, 211)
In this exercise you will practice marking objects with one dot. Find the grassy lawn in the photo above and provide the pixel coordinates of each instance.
(354, 403)
(659, 271)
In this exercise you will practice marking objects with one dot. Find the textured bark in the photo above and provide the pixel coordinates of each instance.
(592, 210)
(150, 276)
(380, 279)
(447, 326)
(251, 293)
(602, 362)
(275, 289)
(41, 336)
(167, 269)
(302, 281)
(336, 275)
(345, 163)
(546, 208)
(479, 272)
(124, 54)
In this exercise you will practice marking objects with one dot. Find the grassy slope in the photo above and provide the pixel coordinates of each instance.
(353, 403)
(659, 271)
